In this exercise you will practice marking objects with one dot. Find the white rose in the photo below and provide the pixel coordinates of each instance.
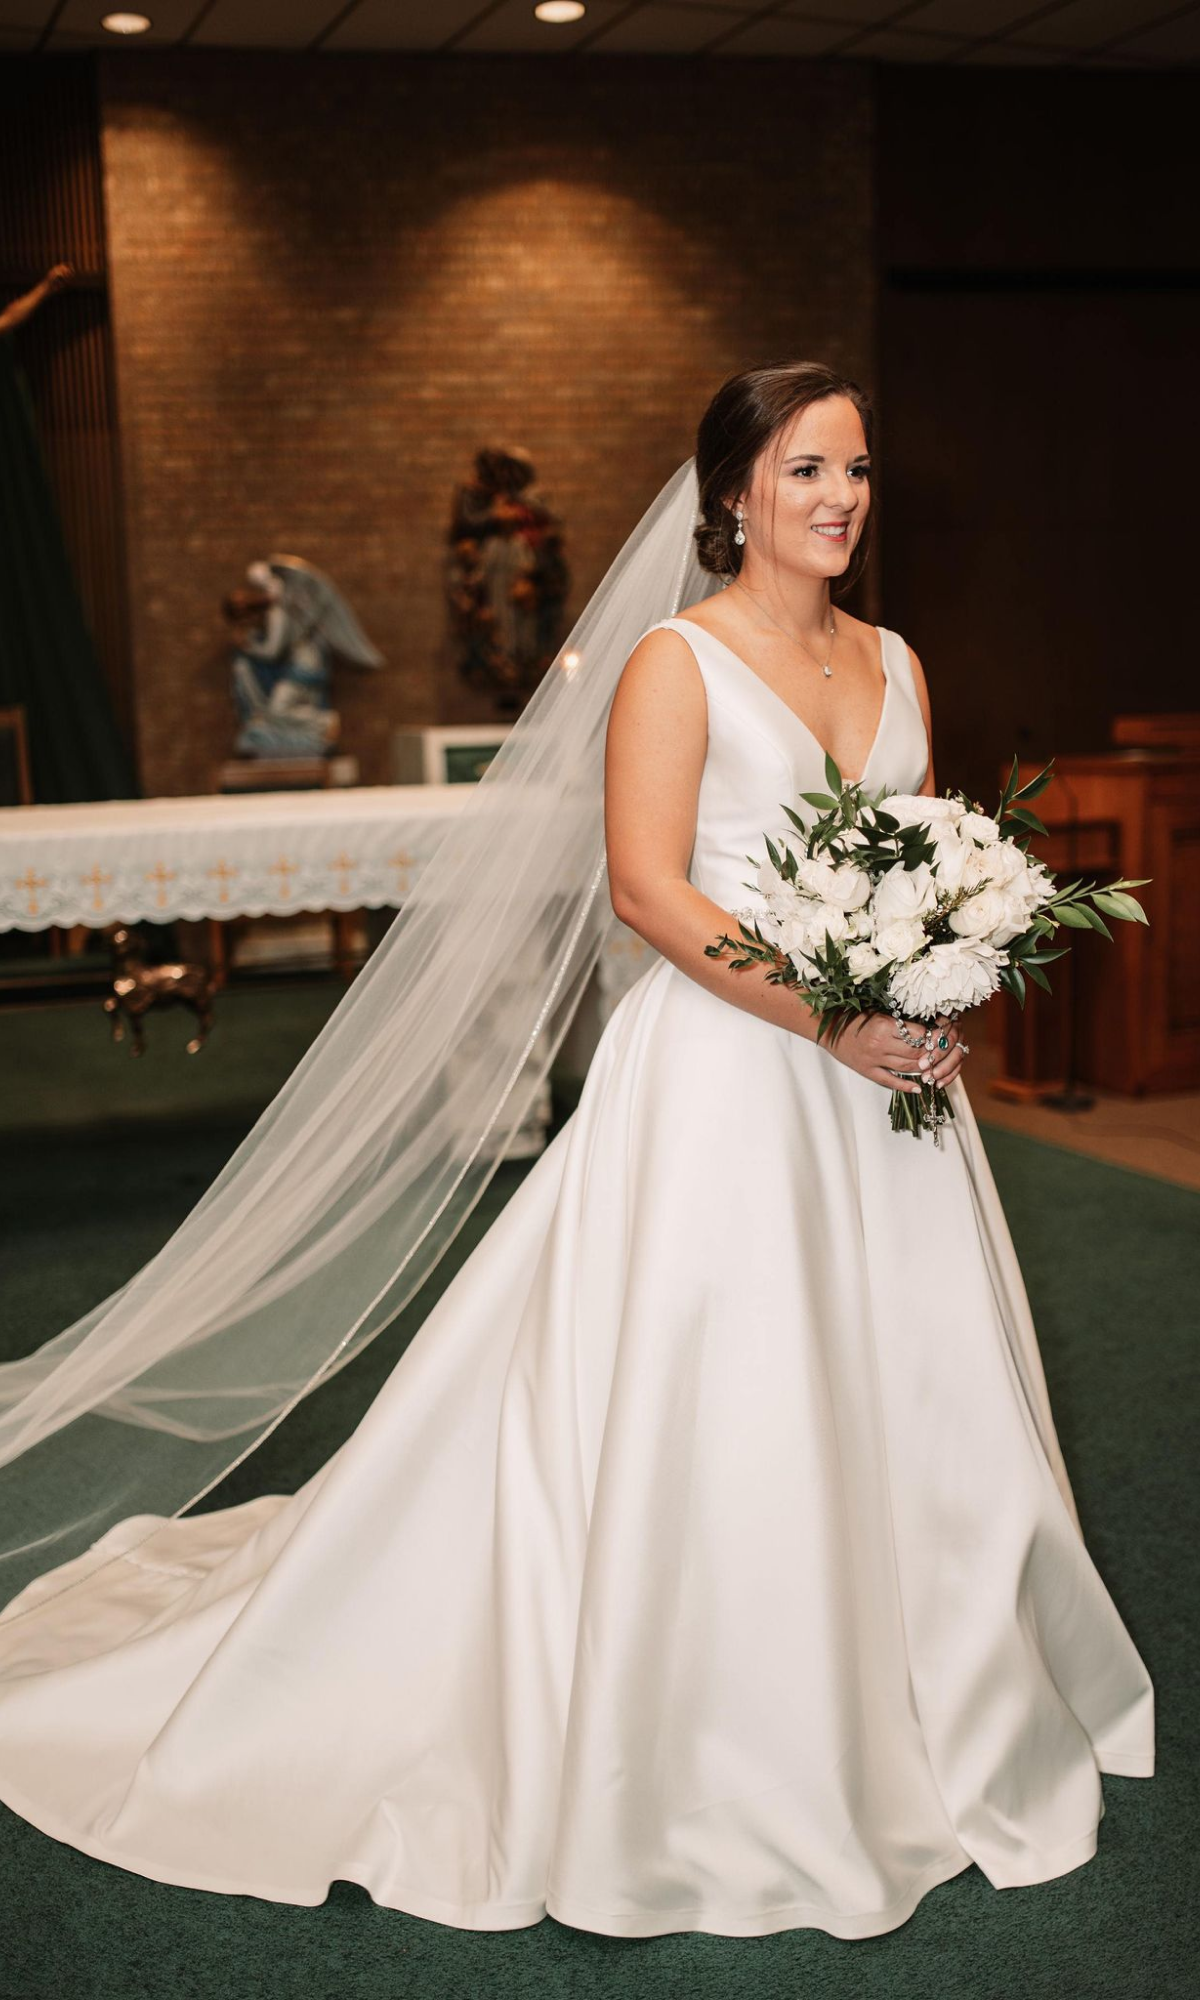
(844, 884)
(808, 929)
(1039, 882)
(899, 939)
(947, 978)
(984, 915)
(831, 920)
(791, 934)
(910, 810)
(1004, 861)
(863, 960)
(977, 826)
(905, 892)
(952, 857)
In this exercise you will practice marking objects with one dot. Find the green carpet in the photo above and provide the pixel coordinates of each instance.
(105, 1154)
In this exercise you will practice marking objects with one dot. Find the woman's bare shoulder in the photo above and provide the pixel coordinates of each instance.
(661, 673)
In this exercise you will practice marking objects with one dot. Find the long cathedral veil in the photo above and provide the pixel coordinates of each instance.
(341, 1199)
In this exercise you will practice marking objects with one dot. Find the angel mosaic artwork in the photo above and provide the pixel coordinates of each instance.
(289, 622)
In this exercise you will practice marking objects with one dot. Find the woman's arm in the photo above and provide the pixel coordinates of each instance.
(654, 756)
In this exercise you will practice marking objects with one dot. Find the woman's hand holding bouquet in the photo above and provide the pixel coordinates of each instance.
(917, 908)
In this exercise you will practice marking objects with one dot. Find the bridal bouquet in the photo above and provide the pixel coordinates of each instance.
(921, 907)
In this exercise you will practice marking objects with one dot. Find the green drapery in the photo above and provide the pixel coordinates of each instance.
(48, 662)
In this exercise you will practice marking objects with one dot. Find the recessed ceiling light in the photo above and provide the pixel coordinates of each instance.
(126, 24)
(559, 10)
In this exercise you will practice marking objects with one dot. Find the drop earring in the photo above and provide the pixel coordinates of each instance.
(740, 534)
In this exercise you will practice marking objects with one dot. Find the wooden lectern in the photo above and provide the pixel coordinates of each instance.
(1123, 1016)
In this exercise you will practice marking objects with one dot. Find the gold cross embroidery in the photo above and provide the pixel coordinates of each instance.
(224, 874)
(31, 883)
(402, 862)
(345, 864)
(160, 875)
(96, 880)
(285, 869)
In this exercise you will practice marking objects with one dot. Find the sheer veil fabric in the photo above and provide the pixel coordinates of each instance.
(344, 1195)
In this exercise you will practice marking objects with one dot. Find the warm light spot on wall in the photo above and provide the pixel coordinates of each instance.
(126, 24)
(559, 10)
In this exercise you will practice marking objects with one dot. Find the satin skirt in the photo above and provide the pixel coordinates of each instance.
(707, 1562)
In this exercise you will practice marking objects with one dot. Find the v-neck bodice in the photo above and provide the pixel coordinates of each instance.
(761, 756)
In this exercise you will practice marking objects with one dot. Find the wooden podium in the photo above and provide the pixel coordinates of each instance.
(1123, 1016)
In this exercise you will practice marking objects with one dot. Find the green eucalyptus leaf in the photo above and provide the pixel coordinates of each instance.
(1115, 903)
(1038, 784)
(1026, 818)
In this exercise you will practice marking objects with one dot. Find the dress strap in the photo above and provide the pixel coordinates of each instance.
(897, 661)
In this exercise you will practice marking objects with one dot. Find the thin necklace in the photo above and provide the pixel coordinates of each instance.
(824, 665)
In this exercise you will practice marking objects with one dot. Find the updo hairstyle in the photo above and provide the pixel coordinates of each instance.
(748, 410)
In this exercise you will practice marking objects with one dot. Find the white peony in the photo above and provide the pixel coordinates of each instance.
(905, 892)
(947, 978)
(899, 938)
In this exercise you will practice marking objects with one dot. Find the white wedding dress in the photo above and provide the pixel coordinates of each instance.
(707, 1562)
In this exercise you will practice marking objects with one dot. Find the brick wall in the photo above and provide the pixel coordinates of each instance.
(334, 277)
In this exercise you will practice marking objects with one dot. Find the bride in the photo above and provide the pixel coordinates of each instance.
(707, 1561)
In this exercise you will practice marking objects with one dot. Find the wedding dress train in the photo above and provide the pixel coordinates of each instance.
(707, 1561)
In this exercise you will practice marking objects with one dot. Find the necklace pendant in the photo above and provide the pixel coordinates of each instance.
(827, 670)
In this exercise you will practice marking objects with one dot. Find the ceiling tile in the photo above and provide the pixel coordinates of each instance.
(515, 27)
(1014, 55)
(78, 26)
(264, 24)
(1081, 24)
(889, 45)
(783, 35)
(22, 17)
(1116, 59)
(968, 17)
(402, 24)
(665, 30)
(1171, 41)
(844, 14)
(725, 6)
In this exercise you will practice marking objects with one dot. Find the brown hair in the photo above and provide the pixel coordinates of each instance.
(748, 410)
